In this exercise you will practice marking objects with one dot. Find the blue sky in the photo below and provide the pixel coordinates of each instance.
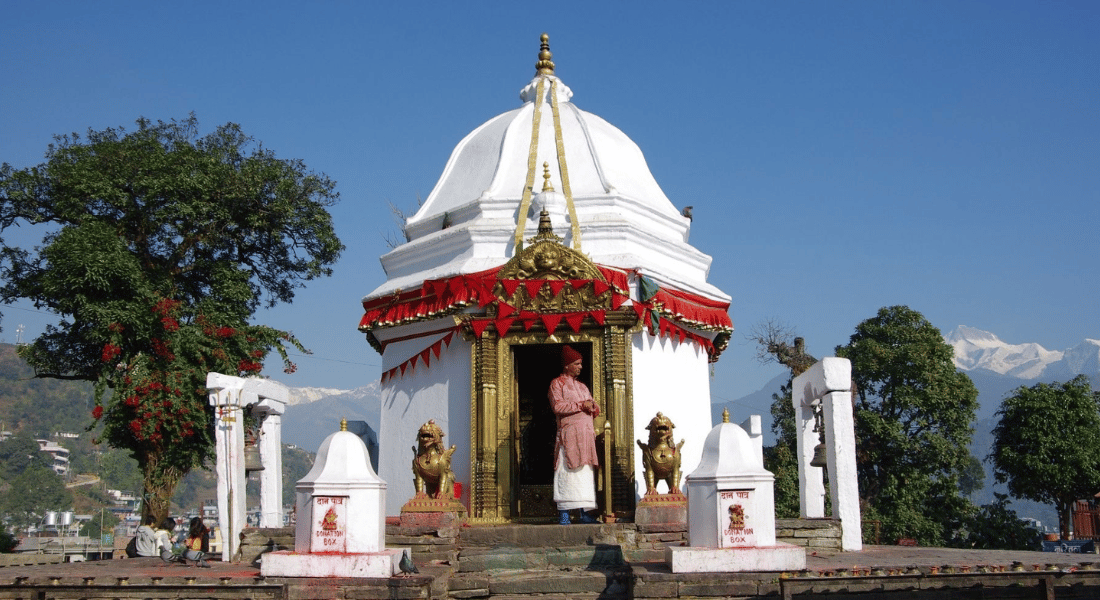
(840, 156)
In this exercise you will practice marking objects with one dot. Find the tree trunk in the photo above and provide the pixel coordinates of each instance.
(160, 484)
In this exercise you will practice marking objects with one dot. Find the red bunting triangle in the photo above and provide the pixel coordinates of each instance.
(533, 286)
(504, 310)
(478, 325)
(639, 309)
(438, 287)
(503, 325)
(551, 322)
(404, 366)
(578, 283)
(575, 320)
(437, 347)
(556, 286)
(447, 338)
(456, 285)
(528, 324)
(683, 334)
(598, 316)
(510, 285)
(599, 286)
(617, 300)
(412, 361)
(426, 355)
(385, 376)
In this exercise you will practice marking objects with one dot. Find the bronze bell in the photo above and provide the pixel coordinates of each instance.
(819, 459)
(252, 460)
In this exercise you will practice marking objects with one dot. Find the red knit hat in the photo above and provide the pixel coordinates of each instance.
(569, 356)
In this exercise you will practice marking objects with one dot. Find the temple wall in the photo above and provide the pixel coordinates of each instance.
(441, 392)
(674, 379)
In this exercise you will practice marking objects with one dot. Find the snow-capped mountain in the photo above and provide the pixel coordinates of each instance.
(305, 395)
(317, 412)
(977, 349)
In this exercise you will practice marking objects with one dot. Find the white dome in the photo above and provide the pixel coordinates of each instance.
(468, 222)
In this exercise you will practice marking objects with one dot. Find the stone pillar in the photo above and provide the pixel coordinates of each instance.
(225, 396)
(829, 384)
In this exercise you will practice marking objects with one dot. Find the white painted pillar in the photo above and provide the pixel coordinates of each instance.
(271, 399)
(225, 396)
(811, 480)
(829, 382)
(753, 427)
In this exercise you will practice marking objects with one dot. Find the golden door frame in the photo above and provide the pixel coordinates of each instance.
(494, 493)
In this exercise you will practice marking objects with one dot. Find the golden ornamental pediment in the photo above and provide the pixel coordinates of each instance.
(548, 260)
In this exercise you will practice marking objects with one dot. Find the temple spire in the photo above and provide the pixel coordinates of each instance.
(544, 66)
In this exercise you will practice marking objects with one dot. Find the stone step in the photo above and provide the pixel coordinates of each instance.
(598, 557)
(533, 536)
(565, 583)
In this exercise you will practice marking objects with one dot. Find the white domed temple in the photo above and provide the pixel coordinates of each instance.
(546, 228)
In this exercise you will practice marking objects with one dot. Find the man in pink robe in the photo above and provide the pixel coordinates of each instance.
(575, 458)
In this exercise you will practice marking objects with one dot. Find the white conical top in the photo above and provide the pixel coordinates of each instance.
(469, 221)
(727, 451)
(342, 459)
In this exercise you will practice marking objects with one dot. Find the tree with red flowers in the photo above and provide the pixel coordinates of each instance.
(160, 246)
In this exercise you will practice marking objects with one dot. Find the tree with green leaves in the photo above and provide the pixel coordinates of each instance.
(160, 245)
(1046, 444)
(913, 419)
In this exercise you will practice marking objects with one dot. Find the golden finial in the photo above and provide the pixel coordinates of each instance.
(544, 66)
(725, 415)
(344, 424)
(546, 185)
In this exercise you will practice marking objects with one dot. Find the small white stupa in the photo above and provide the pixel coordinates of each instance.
(492, 281)
(341, 527)
(731, 509)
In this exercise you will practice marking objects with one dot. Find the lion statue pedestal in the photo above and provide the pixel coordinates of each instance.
(434, 482)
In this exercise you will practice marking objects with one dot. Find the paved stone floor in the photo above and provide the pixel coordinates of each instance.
(146, 569)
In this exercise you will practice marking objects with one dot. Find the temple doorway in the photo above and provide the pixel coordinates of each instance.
(534, 426)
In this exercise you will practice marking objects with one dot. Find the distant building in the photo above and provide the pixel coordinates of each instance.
(59, 455)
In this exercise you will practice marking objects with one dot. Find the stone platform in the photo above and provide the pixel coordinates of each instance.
(554, 562)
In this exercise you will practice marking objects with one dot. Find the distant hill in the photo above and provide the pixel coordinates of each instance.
(306, 425)
(40, 407)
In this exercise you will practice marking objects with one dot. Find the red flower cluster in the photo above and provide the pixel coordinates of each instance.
(165, 306)
(226, 332)
(110, 351)
(170, 324)
(249, 366)
(160, 347)
(97, 412)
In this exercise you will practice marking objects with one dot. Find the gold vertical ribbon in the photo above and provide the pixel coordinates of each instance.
(563, 169)
(532, 160)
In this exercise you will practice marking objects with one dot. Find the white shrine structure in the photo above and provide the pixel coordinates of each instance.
(731, 508)
(265, 400)
(545, 228)
(341, 529)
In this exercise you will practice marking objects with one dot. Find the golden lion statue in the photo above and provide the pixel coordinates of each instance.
(432, 466)
(660, 457)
